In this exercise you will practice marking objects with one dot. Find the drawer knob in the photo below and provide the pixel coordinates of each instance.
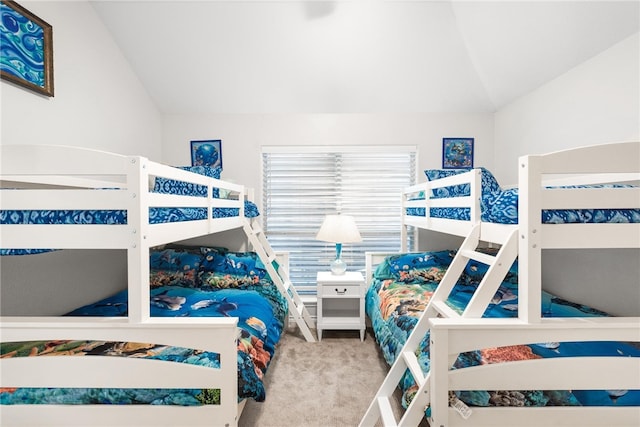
(341, 292)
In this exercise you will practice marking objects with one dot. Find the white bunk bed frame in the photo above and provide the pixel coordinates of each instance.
(59, 177)
(452, 334)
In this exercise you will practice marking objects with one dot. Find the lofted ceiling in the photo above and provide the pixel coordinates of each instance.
(366, 56)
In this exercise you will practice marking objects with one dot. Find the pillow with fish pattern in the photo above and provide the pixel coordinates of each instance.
(175, 259)
(185, 279)
(216, 280)
(399, 266)
(234, 263)
(196, 249)
(177, 267)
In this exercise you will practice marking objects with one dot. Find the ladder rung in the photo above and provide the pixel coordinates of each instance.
(299, 308)
(386, 412)
(411, 361)
(479, 256)
(307, 299)
(280, 277)
(442, 308)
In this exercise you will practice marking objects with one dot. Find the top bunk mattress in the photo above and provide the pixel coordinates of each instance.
(500, 205)
(119, 217)
(157, 215)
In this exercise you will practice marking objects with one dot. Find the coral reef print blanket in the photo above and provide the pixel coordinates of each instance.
(401, 289)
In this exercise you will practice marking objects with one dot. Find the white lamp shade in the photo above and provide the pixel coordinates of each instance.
(339, 229)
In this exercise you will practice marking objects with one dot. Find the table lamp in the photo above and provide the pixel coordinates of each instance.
(339, 229)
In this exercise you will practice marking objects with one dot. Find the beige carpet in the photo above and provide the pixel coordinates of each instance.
(324, 384)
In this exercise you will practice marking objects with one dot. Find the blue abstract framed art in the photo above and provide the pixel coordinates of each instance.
(206, 153)
(457, 153)
(26, 49)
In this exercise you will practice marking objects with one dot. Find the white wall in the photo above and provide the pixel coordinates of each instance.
(243, 135)
(596, 102)
(99, 103)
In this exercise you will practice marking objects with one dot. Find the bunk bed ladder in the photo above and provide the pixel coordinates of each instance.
(381, 408)
(280, 277)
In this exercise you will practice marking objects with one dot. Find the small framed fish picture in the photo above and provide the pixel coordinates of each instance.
(207, 153)
(457, 153)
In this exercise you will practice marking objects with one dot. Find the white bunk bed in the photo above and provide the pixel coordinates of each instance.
(546, 182)
(70, 178)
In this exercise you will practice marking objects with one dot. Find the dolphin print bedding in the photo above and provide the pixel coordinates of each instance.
(185, 282)
(400, 291)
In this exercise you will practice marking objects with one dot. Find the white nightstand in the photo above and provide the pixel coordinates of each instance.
(341, 302)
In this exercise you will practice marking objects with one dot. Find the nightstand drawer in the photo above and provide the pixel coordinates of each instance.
(350, 291)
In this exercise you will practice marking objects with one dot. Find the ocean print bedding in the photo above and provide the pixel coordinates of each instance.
(185, 281)
(401, 289)
(500, 206)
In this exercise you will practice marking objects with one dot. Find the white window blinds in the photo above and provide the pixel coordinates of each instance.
(303, 184)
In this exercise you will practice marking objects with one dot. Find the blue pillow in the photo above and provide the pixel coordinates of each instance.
(451, 191)
(172, 186)
(500, 207)
(251, 209)
(488, 182)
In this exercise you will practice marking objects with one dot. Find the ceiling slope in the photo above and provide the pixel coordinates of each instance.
(198, 57)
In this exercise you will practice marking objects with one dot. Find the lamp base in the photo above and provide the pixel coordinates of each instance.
(338, 267)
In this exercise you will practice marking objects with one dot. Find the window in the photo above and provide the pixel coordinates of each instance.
(303, 184)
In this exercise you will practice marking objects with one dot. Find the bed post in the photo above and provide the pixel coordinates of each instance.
(138, 249)
(403, 226)
(476, 194)
(438, 376)
(530, 239)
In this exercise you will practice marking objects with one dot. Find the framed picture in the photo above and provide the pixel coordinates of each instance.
(457, 153)
(27, 49)
(206, 153)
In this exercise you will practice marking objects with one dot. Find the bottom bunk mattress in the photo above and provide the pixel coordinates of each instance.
(186, 282)
(401, 289)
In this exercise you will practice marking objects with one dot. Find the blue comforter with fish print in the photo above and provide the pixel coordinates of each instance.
(401, 289)
(185, 282)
